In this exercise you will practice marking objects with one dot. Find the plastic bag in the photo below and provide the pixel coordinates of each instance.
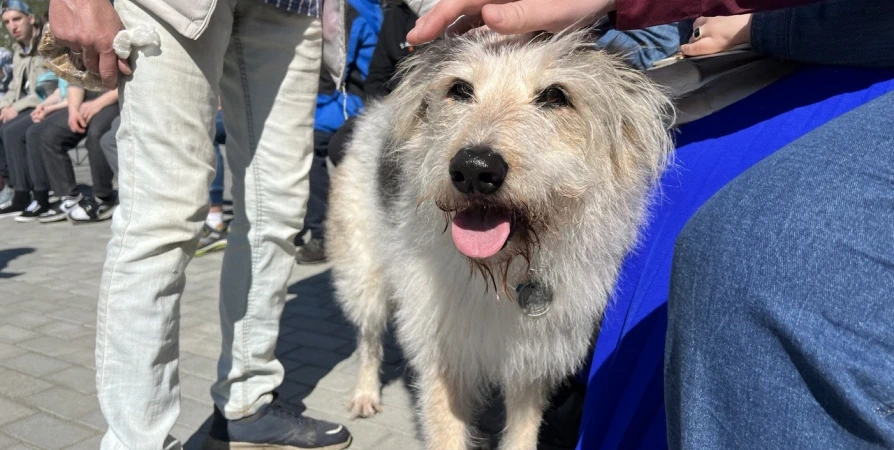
(67, 65)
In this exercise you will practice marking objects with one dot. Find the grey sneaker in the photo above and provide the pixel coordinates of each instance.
(6, 194)
(212, 239)
(275, 426)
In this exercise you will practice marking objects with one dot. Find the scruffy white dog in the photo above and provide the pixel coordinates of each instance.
(488, 203)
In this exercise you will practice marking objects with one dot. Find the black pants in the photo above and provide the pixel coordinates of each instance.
(331, 145)
(319, 187)
(13, 160)
(56, 139)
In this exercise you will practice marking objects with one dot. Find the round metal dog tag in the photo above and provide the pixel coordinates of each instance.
(534, 299)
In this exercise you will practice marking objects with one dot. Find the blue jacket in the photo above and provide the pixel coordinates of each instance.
(363, 20)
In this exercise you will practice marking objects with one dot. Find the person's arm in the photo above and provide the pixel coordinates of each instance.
(91, 108)
(76, 121)
(524, 16)
(56, 106)
(29, 101)
(840, 32)
(51, 100)
(106, 99)
(636, 14)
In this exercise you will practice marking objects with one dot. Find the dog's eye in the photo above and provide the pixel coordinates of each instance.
(553, 97)
(461, 91)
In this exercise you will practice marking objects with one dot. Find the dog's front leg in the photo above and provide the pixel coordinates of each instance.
(446, 412)
(524, 412)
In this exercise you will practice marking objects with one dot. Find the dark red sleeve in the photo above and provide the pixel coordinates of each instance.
(636, 14)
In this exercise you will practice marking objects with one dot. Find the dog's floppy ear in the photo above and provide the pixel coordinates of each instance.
(409, 98)
(642, 127)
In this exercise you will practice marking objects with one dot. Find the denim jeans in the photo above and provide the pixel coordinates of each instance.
(264, 64)
(217, 184)
(781, 308)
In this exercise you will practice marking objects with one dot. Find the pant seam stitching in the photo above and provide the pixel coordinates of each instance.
(246, 96)
(105, 304)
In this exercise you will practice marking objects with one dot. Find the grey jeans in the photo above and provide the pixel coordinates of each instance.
(264, 64)
(109, 144)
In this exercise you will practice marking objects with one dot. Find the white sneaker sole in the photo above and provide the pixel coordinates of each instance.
(213, 444)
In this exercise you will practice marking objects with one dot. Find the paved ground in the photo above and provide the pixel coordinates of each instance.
(49, 276)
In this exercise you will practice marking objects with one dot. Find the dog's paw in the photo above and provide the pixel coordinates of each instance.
(364, 405)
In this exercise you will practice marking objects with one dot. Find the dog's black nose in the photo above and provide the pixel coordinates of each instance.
(478, 169)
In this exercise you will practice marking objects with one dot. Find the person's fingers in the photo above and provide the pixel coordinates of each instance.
(429, 26)
(465, 24)
(699, 22)
(526, 16)
(511, 18)
(124, 67)
(91, 59)
(704, 46)
(108, 69)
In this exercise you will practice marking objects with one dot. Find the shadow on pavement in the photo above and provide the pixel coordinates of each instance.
(10, 254)
(315, 337)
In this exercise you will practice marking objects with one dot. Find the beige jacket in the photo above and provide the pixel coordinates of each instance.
(187, 17)
(190, 18)
(30, 63)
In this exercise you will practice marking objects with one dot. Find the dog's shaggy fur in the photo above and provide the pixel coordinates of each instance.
(582, 163)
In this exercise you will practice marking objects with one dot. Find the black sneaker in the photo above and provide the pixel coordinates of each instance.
(58, 211)
(275, 427)
(313, 252)
(32, 212)
(91, 209)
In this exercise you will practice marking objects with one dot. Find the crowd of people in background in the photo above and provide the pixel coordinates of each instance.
(43, 118)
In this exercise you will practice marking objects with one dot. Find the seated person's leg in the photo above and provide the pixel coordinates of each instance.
(38, 173)
(101, 205)
(313, 250)
(56, 141)
(780, 309)
(6, 191)
(215, 216)
(109, 144)
(34, 141)
(17, 162)
(339, 142)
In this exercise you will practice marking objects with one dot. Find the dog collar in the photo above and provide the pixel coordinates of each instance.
(534, 299)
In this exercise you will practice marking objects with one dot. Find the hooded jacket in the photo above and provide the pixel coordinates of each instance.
(335, 104)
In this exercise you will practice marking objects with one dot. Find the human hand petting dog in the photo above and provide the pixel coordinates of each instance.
(716, 34)
(506, 16)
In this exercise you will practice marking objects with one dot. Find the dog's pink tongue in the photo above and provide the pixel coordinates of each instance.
(478, 233)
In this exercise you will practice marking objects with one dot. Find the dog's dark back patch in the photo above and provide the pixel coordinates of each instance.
(388, 175)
